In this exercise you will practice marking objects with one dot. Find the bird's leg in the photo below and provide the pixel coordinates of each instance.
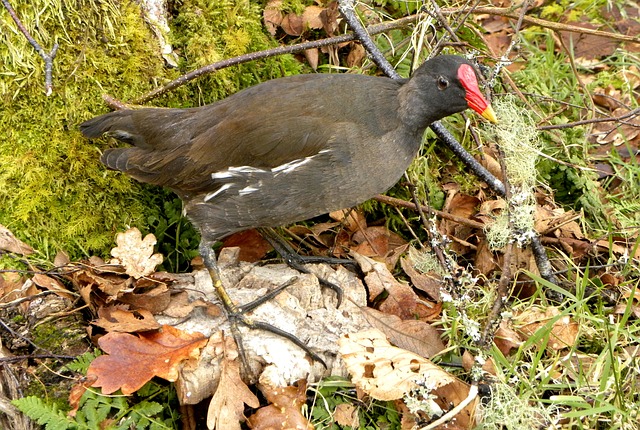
(296, 261)
(236, 313)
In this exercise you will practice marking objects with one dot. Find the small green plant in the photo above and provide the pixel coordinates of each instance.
(152, 407)
(334, 391)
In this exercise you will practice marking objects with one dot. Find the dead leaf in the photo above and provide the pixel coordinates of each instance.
(226, 410)
(272, 16)
(61, 259)
(155, 299)
(384, 371)
(401, 301)
(629, 298)
(52, 284)
(346, 414)
(506, 338)
(284, 412)
(11, 287)
(253, 247)
(468, 361)
(311, 17)
(356, 56)
(292, 24)
(563, 333)
(379, 243)
(8, 242)
(389, 373)
(577, 367)
(76, 393)
(416, 336)
(351, 219)
(430, 284)
(136, 254)
(133, 360)
(313, 57)
(118, 319)
(588, 46)
(329, 18)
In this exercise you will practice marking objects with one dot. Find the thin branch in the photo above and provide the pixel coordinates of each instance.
(347, 9)
(495, 315)
(633, 113)
(281, 50)
(48, 58)
(558, 26)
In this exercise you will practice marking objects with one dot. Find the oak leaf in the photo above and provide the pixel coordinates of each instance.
(119, 319)
(134, 360)
(389, 373)
(284, 411)
(227, 405)
(135, 253)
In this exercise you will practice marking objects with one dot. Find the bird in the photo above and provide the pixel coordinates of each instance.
(287, 149)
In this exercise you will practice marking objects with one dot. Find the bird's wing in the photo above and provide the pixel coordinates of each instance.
(265, 126)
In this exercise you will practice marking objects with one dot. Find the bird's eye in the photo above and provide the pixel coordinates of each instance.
(443, 83)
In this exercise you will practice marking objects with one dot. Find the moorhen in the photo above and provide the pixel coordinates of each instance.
(288, 149)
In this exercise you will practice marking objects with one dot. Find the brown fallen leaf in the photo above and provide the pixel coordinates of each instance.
(136, 254)
(76, 393)
(564, 331)
(119, 319)
(389, 373)
(52, 284)
(272, 16)
(380, 243)
(154, 299)
(506, 338)
(401, 301)
(416, 336)
(11, 287)
(469, 361)
(428, 283)
(346, 414)
(226, 410)
(284, 412)
(8, 242)
(292, 24)
(133, 360)
(253, 247)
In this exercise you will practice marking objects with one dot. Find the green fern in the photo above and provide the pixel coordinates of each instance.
(81, 363)
(44, 414)
(152, 407)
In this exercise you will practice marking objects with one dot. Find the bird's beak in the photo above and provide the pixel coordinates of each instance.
(489, 114)
(474, 97)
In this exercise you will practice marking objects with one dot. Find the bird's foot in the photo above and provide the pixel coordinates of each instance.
(237, 314)
(297, 261)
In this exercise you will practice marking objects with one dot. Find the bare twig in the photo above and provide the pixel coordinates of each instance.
(495, 315)
(375, 29)
(347, 9)
(48, 58)
(558, 26)
(633, 113)
(445, 215)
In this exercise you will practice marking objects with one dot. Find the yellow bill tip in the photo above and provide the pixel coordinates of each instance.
(489, 114)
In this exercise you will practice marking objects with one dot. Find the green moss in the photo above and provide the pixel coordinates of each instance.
(54, 193)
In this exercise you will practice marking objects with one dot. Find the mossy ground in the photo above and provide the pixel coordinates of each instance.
(55, 195)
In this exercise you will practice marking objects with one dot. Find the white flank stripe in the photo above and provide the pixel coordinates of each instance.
(225, 174)
(245, 169)
(216, 192)
(247, 190)
(232, 172)
(291, 166)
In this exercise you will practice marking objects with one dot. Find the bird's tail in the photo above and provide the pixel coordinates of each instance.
(117, 124)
